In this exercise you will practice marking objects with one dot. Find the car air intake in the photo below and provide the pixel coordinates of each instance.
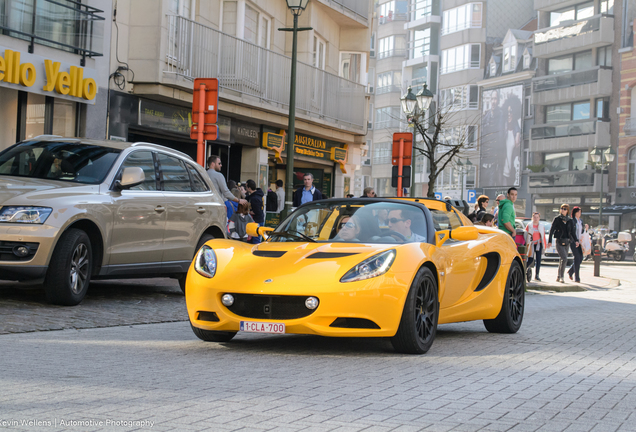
(492, 266)
(270, 307)
(208, 316)
(269, 254)
(354, 323)
(327, 255)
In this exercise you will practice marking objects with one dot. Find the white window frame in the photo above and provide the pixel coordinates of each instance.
(451, 18)
(509, 58)
(456, 53)
(527, 59)
(363, 65)
(631, 167)
(240, 21)
(318, 41)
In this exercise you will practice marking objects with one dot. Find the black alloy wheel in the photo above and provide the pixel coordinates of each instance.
(418, 325)
(511, 315)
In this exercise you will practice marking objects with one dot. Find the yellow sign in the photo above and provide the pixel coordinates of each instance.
(276, 142)
(339, 155)
(67, 83)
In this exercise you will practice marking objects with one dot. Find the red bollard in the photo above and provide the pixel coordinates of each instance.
(597, 260)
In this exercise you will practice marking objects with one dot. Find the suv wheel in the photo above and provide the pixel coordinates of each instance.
(70, 269)
(203, 240)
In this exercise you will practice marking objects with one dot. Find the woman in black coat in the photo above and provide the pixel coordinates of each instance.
(563, 232)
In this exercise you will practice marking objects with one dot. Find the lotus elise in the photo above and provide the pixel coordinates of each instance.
(368, 267)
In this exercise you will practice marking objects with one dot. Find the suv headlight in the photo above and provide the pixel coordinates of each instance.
(205, 262)
(24, 214)
(372, 267)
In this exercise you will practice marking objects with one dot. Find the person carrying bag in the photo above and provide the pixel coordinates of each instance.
(563, 232)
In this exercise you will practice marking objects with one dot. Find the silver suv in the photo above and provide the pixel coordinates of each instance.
(72, 210)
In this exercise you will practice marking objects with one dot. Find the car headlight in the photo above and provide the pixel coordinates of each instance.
(24, 214)
(205, 262)
(371, 267)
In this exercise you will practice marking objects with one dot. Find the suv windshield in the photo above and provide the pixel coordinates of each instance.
(353, 221)
(72, 162)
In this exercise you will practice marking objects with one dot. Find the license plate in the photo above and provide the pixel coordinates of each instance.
(262, 327)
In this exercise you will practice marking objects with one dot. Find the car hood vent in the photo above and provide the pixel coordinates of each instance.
(327, 255)
(269, 254)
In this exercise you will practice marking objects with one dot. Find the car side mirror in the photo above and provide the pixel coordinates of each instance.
(254, 230)
(464, 233)
(130, 177)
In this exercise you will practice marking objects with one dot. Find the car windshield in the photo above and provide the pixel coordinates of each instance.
(66, 161)
(353, 221)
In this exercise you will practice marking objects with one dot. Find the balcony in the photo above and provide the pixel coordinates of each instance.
(388, 89)
(580, 134)
(576, 35)
(392, 17)
(358, 9)
(551, 5)
(69, 26)
(579, 181)
(422, 14)
(419, 51)
(257, 75)
(630, 126)
(572, 86)
(396, 52)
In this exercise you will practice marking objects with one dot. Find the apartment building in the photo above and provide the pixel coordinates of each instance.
(575, 98)
(441, 43)
(160, 46)
(625, 205)
(53, 68)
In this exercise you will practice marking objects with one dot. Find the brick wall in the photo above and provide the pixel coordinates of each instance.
(626, 142)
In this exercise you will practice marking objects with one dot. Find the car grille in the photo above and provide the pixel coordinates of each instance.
(6, 251)
(270, 307)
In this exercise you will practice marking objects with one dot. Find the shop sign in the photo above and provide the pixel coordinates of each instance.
(276, 142)
(590, 200)
(625, 196)
(225, 128)
(339, 155)
(567, 200)
(313, 147)
(245, 133)
(543, 201)
(36, 74)
(165, 117)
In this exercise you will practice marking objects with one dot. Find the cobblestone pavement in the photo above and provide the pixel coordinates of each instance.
(571, 367)
(108, 303)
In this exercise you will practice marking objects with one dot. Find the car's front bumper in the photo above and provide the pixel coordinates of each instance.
(13, 268)
(379, 300)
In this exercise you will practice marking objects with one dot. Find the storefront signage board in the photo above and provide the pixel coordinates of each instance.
(37, 74)
(165, 117)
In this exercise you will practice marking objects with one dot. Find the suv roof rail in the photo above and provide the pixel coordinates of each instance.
(160, 147)
(46, 136)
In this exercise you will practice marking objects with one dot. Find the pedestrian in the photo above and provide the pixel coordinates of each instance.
(271, 201)
(536, 231)
(368, 192)
(487, 220)
(586, 243)
(562, 232)
(349, 195)
(232, 186)
(308, 192)
(480, 208)
(495, 209)
(255, 198)
(577, 250)
(506, 215)
(214, 172)
(280, 192)
(237, 225)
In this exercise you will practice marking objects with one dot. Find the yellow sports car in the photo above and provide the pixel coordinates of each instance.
(359, 268)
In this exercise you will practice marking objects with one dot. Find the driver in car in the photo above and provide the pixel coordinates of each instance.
(400, 222)
(56, 167)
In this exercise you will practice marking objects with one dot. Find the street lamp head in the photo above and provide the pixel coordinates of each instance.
(297, 6)
(595, 155)
(409, 102)
(459, 163)
(610, 155)
(424, 98)
(468, 162)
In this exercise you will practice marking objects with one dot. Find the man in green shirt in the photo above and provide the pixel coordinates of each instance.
(506, 214)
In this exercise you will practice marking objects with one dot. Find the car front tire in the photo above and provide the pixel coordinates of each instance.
(418, 325)
(69, 272)
(511, 315)
(212, 336)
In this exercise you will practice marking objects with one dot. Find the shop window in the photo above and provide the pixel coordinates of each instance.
(64, 116)
(631, 163)
(35, 115)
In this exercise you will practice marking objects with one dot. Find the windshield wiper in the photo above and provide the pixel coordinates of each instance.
(293, 233)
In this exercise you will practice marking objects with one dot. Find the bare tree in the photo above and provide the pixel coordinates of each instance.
(435, 141)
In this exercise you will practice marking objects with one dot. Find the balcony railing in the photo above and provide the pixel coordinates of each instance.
(459, 66)
(572, 29)
(388, 89)
(560, 130)
(476, 23)
(358, 7)
(561, 179)
(392, 17)
(396, 52)
(66, 25)
(630, 126)
(419, 48)
(568, 79)
(195, 50)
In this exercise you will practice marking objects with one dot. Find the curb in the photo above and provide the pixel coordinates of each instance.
(609, 263)
(564, 287)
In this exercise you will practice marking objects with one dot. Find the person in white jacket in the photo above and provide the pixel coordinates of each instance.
(536, 232)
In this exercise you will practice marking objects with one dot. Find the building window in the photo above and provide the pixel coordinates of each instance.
(422, 8)
(510, 58)
(387, 117)
(602, 109)
(351, 66)
(319, 52)
(459, 98)
(370, 122)
(461, 18)
(607, 7)
(389, 82)
(391, 46)
(388, 10)
(420, 44)
(184, 8)
(604, 56)
(631, 164)
(572, 62)
(526, 60)
(420, 76)
(493, 67)
(567, 112)
(372, 46)
(252, 25)
(382, 152)
(460, 58)
(228, 22)
(572, 13)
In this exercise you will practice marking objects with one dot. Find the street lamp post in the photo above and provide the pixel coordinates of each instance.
(601, 159)
(412, 106)
(296, 7)
(463, 169)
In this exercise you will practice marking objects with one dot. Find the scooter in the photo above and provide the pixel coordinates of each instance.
(617, 248)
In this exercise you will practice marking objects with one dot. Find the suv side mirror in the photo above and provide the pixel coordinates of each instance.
(130, 177)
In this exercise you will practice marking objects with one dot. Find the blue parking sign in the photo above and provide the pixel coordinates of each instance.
(438, 196)
(472, 196)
